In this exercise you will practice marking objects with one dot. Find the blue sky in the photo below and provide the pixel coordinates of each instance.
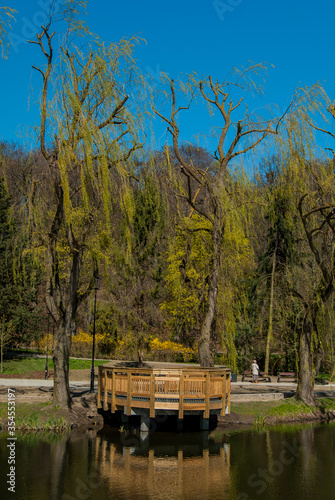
(206, 36)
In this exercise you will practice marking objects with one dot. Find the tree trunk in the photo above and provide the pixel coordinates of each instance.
(305, 389)
(63, 335)
(269, 336)
(62, 302)
(205, 356)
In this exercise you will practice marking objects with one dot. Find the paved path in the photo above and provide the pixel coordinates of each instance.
(25, 382)
(236, 387)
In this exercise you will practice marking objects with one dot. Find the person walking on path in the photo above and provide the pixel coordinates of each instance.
(254, 372)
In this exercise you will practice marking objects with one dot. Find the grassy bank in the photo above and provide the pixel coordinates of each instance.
(22, 366)
(284, 410)
(35, 416)
(45, 416)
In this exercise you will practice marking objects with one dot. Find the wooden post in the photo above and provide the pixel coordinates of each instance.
(106, 390)
(181, 396)
(224, 389)
(152, 395)
(129, 394)
(207, 394)
(113, 392)
(99, 386)
(228, 399)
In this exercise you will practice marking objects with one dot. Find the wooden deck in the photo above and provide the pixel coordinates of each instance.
(159, 390)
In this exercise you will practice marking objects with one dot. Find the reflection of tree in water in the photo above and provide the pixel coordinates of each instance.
(164, 471)
(308, 458)
(57, 454)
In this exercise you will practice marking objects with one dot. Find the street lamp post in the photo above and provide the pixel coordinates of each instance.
(46, 355)
(96, 287)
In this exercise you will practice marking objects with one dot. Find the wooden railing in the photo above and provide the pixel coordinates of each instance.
(178, 389)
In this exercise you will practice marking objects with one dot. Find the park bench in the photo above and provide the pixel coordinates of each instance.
(262, 377)
(287, 376)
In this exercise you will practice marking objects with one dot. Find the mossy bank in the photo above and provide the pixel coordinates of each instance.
(282, 411)
(35, 416)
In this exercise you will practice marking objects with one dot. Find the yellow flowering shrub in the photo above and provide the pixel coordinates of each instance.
(82, 343)
(125, 348)
(169, 349)
(44, 342)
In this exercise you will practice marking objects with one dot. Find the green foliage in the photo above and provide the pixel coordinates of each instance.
(19, 278)
(137, 285)
(148, 220)
(188, 260)
(6, 17)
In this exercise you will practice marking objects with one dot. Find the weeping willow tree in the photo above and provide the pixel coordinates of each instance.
(311, 175)
(6, 17)
(239, 133)
(87, 136)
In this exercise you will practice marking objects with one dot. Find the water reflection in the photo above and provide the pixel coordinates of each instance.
(291, 463)
(164, 466)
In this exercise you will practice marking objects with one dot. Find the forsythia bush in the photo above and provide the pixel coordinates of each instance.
(125, 348)
(82, 343)
(43, 342)
(167, 348)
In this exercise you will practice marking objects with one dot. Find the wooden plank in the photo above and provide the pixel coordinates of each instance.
(106, 390)
(99, 386)
(215, 405)
(129, 381)
(113, 407)
(159, 405)
(228, 390)
(140, 404)
(223, 397)
(181, 397)
(152, 396)
(207, 390)
(195, 407)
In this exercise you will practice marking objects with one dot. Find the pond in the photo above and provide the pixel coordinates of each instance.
(274, 463)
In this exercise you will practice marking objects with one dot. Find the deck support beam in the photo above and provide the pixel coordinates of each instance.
(145, 424)
(204, 423)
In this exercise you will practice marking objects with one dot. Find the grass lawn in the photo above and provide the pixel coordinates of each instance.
(20, 366)
(289, 406)
(254, 408)
(32, 416)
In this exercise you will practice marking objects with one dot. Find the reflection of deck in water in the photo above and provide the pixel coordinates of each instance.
(203, 476)
(152, 391)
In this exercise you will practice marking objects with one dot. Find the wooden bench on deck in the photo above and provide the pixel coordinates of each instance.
(288, 376)
(262, 377)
